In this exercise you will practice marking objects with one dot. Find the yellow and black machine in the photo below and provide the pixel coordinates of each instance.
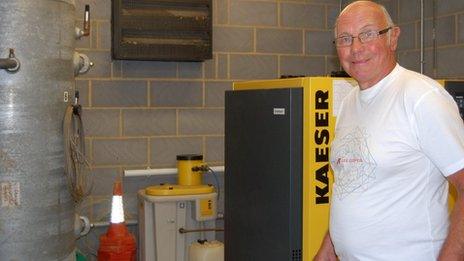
(277, 176)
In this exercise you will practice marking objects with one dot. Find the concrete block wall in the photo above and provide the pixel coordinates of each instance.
(444, 61)
(140, 114)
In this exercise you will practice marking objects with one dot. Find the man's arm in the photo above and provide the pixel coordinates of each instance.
(326, 251)
(453, 248)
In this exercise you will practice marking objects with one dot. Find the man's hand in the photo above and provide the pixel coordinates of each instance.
(326, 251)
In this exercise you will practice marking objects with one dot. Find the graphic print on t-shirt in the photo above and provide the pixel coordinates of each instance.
(354, 163)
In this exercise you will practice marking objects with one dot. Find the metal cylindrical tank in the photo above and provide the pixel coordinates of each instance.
(36, 210)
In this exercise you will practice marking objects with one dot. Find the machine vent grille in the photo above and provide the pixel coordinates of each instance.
(296, 255)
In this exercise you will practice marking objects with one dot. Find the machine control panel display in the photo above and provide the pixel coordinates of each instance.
(456, 89)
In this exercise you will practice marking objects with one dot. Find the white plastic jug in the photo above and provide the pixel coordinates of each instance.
(208, 251)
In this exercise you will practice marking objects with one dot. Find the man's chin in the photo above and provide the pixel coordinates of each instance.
(360, 77)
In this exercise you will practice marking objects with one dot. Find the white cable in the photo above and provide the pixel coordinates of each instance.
(76, 164)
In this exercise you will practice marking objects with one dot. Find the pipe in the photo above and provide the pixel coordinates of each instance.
(11, 64)
(183, 230)
(79, 33)
(8, 63)
(129, 222)
(422, 36)
(81, 63)
(434, 38)
(81, 225)
(86, 31)
(157, 172)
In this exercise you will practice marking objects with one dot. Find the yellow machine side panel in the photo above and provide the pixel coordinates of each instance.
(318, 127)
(453, 193)
(274, 84)
(452, 190)
(442, 82)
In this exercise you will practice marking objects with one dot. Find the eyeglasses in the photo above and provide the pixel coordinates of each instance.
(364, 37)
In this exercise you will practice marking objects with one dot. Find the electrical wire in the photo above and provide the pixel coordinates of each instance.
(76, 164)
(217, 181)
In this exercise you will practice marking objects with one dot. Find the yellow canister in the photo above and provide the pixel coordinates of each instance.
(186, 164)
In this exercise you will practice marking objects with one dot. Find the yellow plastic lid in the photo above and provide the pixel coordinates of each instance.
(171, 190)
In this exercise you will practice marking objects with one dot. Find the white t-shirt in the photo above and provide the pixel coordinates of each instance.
(394, 145)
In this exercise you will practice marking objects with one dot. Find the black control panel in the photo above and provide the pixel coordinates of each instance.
(456, 89)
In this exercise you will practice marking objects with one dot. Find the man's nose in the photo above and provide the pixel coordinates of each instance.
(356, 45)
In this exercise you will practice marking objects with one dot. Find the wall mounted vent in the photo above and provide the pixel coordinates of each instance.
(162, 30)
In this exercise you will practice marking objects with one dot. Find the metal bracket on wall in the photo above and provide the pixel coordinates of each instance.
(11, 64)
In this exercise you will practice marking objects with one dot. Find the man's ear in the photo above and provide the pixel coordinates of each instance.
(395, 34)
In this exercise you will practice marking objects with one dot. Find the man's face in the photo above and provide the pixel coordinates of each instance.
(368, 62)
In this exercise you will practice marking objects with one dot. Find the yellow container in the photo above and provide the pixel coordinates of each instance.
(171, 190)
(185, 164)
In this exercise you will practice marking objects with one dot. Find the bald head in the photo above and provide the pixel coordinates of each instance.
(370, 54)
(364, 6)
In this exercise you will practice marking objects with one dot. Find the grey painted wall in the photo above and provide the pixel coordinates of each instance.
(140, 114)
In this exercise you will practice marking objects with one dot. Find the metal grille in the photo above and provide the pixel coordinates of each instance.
(296, 255)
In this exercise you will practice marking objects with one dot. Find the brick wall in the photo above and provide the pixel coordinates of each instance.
(140, 114)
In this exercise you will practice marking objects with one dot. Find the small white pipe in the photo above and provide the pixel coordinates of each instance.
(218, 168)
(434, 37)
(156, 172)
(149, 172)
(129, 222)
(422, 36)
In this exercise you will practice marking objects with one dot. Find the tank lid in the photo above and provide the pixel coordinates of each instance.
(190, 157)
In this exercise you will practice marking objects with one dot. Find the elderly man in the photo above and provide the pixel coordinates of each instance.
(399, 139)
